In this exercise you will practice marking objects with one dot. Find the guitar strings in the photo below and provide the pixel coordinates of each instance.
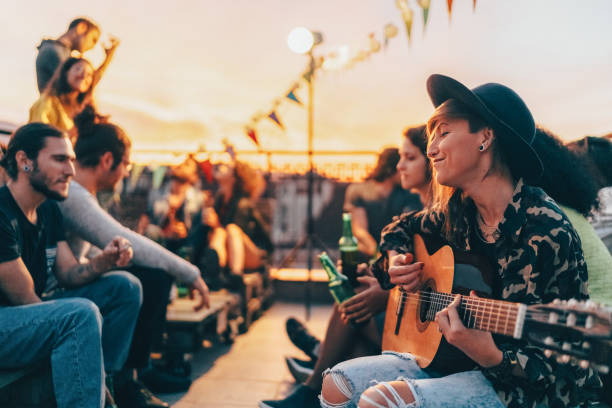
(505, 310)
(434, 298)
(481, 304)
(505, 326)
(488, 306)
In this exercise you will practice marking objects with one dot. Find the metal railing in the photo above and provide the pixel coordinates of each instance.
(340, 165)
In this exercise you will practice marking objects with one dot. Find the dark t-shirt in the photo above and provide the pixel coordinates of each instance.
(35, 244)
(51, 54)
(380, 209)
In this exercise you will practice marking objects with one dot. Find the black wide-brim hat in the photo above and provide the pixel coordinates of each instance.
(504, 111)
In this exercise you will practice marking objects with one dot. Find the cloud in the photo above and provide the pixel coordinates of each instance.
(154, 127)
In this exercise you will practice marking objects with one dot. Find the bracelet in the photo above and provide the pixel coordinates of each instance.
(509, 361)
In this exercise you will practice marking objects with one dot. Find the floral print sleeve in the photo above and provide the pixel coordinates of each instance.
(539, 258)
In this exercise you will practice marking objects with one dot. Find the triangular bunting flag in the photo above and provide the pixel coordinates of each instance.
(425, 6)
(374, 43)
(294, 98)
(207, 170)
(137, 170)
(158, 177)
(252, 135)
(390, 31)
(272, 115)
(449, 4)
(407, 16)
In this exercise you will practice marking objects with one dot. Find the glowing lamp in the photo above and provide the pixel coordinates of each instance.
(300, 40)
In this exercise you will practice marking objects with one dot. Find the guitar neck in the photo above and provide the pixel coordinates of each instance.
(495, 316)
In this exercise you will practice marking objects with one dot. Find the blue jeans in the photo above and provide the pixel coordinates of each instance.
(67, 330)
(465, 389)
(118, 295)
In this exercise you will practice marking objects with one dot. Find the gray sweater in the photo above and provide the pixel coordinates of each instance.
(87, 224)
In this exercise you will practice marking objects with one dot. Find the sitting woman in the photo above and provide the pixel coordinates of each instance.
(237, 231)
(375, 201)
(66, 95)
(480, 145)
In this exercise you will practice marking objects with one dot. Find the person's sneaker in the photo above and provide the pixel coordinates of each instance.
(299, 335)
(299, 369)
(164, 382)
(134, 394)
(301, 397)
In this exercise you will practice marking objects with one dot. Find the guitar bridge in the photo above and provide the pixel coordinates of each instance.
(399, 312)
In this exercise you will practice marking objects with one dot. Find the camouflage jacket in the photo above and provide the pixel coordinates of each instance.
(538, 258)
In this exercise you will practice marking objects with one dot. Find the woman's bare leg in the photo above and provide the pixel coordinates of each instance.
(218, 238)
(243, 253)
(338, 345)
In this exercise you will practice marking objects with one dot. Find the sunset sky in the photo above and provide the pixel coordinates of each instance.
(194, 72)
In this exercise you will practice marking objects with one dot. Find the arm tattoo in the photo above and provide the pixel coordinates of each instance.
(83, 272)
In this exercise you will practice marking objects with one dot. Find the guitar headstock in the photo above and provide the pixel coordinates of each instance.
(573, 331)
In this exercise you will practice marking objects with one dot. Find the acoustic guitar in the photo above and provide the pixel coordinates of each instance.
(584, 328)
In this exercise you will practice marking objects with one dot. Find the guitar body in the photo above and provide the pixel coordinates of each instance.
(408, 321)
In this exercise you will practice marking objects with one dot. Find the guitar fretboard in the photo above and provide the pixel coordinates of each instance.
(495, 316)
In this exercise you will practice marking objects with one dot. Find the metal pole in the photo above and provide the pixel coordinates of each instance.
(309, 216)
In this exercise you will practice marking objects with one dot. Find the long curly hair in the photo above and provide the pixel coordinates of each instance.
(597, 151)
(249, 182)
(567, 176)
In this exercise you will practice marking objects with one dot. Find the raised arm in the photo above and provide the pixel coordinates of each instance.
(110, 52)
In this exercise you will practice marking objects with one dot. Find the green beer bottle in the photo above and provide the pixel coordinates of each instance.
(348, 250)
(339, 285)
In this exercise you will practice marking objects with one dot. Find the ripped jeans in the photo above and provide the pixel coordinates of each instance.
(465, 389)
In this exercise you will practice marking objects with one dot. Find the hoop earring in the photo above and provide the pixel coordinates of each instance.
(27, 168)
(481, 147)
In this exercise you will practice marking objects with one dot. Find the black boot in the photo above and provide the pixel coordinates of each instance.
(134, 394)
(301, 397)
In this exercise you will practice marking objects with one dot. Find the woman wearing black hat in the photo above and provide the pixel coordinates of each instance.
(480, 147)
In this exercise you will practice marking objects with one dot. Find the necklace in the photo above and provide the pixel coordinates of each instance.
(489, 233)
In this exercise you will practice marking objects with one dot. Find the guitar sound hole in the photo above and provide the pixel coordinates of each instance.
(424, 305)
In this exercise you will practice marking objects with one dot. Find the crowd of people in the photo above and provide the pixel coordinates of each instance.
(78, 288)
(88, 294)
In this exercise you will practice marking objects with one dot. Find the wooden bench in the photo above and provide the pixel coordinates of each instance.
(187, 327)
(30, 387)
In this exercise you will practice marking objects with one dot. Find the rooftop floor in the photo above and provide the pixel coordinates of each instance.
(251, 369)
